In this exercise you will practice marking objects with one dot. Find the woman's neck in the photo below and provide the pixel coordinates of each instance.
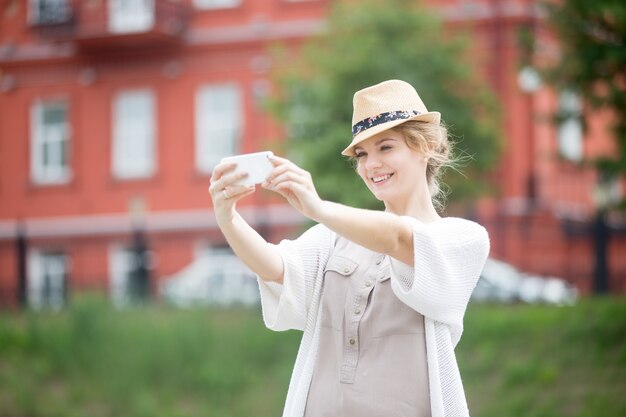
(419, 206)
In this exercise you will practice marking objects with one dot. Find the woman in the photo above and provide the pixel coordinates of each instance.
(379, 295)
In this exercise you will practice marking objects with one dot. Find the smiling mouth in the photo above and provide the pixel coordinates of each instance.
(381, 178)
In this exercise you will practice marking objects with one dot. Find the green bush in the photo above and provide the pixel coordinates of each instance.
(156, 361)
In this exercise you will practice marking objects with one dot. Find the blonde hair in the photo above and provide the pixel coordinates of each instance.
(432, 140)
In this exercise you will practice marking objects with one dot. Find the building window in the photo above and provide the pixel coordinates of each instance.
(50, 142)
(134, 135)
(219, 124)
(128, 16)
(49, 12)
(570, 131)
(46, 280)
(127, 284)
(120, 271)
(216, 4)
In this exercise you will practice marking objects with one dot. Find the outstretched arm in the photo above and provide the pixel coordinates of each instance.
(247, 244)
(376, 230)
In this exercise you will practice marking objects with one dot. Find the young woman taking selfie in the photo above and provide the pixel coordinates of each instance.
(379, 295)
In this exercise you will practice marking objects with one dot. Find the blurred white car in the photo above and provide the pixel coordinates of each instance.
(502, 282)
(216, 278)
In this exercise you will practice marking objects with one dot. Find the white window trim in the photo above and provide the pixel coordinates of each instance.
(120, 260)
(216, 4)
(205, 161)
(119, 271)
(123, 20)
(40, 174)
(36, 262)
(570, 132)
(120, 167)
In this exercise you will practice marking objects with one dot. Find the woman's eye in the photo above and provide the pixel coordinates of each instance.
(360, 154)
(385, 147)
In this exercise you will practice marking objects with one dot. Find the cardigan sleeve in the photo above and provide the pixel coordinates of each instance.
(449, 256)
(285, 306)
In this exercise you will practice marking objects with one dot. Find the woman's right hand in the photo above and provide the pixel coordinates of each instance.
(225, 193)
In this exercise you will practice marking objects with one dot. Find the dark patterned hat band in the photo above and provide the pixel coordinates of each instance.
(382, 118)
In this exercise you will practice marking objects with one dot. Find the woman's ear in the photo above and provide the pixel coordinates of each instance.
(430, 151)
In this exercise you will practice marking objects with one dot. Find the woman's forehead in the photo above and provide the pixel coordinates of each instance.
(377, 139)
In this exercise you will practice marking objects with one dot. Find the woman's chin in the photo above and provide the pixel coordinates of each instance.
(380, 195)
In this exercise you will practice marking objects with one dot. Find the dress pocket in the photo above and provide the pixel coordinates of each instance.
(337, 276)
(388, 315)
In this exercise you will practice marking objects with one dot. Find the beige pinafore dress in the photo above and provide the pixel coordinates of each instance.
(371, 360)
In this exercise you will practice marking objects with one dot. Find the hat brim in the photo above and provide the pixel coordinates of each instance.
(430, 117)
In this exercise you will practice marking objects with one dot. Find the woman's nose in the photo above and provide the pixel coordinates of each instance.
(372, 162)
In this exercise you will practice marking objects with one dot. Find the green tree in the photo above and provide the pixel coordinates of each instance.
(592, 38)
(365, 42)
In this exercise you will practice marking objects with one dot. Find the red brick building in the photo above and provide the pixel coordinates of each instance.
(108, 133)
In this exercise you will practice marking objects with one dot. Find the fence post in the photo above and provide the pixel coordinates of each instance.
(20, 249)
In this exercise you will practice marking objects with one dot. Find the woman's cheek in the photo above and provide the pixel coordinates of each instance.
(360, 170)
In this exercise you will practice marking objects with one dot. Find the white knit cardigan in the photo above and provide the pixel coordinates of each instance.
(449, 256)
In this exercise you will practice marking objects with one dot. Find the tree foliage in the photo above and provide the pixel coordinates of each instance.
(366, 42)
(592, 38)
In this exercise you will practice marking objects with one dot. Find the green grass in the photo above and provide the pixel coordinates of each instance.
(92, 360)
(539, 361)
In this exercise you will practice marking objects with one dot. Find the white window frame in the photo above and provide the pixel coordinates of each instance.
(134, 147)
(122, 262)
(570, 130)
(131, 16)
(120, 268)
(216, 4)
(46, 279)
(219, 126)
(54, 138)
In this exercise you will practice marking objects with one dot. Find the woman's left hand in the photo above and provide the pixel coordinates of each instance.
(296, 185)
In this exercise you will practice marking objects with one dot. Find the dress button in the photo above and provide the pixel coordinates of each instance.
(368, 284)
(357, 311)
(352, 341)
(346, 270)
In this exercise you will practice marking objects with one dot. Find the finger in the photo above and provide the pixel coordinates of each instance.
(289, 176)
(295, 168)
(227, 180)
(283, 191)
(290, 189)
(277, 160)
(279, 168)
(237, 192)
(221, 169)
(286, 167)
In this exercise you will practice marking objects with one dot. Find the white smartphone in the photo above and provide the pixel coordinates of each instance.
(257, 165)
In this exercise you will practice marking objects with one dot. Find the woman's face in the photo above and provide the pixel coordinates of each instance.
(389, 168)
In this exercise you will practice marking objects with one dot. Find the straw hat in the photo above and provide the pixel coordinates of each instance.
(383, 106)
